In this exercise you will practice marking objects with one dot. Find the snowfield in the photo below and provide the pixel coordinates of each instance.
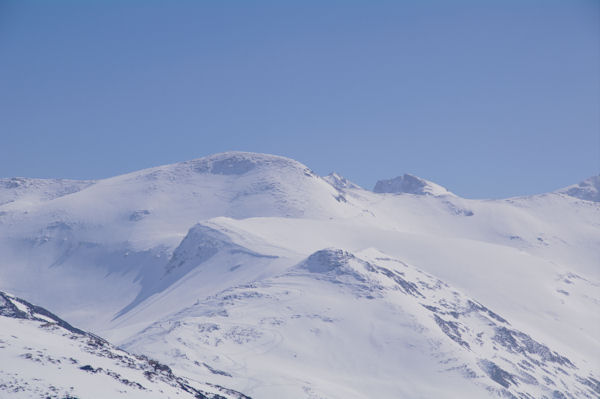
(251, 272)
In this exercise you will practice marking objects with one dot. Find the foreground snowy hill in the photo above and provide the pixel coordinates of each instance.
(43, 356)
(223, 267)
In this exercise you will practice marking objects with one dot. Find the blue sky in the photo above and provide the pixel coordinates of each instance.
(490, 99)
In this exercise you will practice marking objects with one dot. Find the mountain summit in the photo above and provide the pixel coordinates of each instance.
(409, 184)
(589, 189)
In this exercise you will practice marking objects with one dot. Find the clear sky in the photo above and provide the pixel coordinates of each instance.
(488, 98)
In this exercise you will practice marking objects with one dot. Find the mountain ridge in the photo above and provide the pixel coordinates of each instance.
(243, 234)
(240, 162)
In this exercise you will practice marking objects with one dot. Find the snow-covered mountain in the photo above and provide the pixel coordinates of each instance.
(365, 325)
(250, 271)
(121, 231)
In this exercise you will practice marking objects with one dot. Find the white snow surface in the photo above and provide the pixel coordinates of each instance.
(251, 271)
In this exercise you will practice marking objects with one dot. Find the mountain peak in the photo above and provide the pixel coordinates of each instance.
(410, 184)
(239, 163)
(327, 260)
(589, 189)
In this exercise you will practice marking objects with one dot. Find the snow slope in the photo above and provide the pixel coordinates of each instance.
(43, 356)
(206, 265)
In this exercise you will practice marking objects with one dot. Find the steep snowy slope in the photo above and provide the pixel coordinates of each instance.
(209, 265)
(44, 357)
(353, 326)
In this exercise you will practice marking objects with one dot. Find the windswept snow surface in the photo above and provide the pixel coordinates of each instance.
(251, 269)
